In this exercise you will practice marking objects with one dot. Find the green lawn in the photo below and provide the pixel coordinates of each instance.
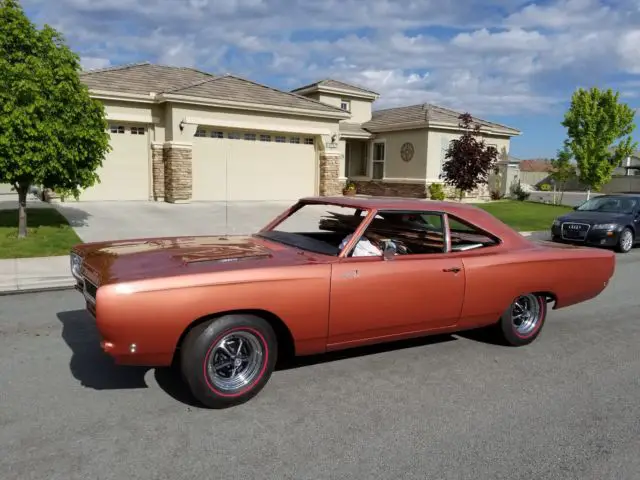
(48, 234)
(524, 216)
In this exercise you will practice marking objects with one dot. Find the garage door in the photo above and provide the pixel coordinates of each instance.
(241, 166)
(124, 174)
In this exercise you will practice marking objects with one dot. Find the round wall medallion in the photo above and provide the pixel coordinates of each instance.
(407, 151)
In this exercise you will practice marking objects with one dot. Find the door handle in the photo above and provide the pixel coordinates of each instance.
(452, 269)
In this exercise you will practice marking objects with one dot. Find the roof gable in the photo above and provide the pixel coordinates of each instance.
(231, 87)
(424, 114)
(142, 78)
(338, 85)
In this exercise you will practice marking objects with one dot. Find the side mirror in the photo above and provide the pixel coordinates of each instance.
(389, 250)
(576, 207)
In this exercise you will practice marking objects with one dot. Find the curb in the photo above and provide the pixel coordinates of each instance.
(20, 291)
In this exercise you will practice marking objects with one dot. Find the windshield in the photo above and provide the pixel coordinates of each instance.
(318, 228)
(609, 204)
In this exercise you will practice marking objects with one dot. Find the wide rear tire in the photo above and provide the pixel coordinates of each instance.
(228, 360)
(522, 322)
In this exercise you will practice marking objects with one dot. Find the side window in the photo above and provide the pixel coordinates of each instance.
(465, 236)
(409, 233)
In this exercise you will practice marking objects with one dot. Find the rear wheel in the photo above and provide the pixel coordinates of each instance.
(625, 242)
(521, 323)
(228, 360)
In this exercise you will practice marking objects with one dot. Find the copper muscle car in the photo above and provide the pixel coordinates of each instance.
(327, 274)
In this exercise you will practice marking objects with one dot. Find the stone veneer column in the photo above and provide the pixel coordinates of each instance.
(157, 161)
(330, 184)
(177, 172)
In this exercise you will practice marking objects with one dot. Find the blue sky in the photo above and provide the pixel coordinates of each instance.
(511, 61)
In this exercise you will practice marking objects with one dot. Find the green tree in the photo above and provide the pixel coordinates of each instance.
(468, 160)
(52, 133)
(594, 121)
(562, 170)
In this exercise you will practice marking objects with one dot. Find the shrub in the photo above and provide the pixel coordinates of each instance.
(436, 191)
(496, 195)
(545, 187)
(519, 192)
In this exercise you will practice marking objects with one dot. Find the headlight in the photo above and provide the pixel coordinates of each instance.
(75, 261)
(605, 226)
(556, 223)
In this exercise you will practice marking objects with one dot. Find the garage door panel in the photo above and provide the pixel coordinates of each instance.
(271, 171)
(244, 170)
(124, 174)
(209, 164)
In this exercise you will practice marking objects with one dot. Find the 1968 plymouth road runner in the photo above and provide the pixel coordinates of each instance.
(327, 274)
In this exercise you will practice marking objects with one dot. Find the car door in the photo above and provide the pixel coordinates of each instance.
(373, 298)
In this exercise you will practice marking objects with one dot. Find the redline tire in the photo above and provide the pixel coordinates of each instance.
(523, 320)
(228, 360)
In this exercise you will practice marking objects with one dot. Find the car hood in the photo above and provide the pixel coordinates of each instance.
(593, 217)
(126, 260)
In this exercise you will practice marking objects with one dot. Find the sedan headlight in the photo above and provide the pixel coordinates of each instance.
(556, 223)
(75, 261)
(605, 226)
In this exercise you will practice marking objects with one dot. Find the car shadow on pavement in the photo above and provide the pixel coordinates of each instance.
(89, 364)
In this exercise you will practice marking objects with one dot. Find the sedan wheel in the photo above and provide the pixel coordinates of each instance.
(228, 360)
(521, 323)
(625, 243)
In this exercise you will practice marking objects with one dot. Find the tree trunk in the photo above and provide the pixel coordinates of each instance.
(22, 190)
(588, 194)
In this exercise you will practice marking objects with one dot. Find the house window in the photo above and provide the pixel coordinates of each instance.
(280, 139)
(137, 130)
(294, 140)
(308, 141)
(345, 105)
(378, 160)
(116, 129)
(200, 133)
(234, 136)
(217, 135)
(356, 158)
(265, 138)
(250, 136)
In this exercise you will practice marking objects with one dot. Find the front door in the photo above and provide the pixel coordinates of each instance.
(374, 298)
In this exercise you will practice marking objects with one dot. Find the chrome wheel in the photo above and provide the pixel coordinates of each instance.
(626, 240)
(235, 361)
(526, 314)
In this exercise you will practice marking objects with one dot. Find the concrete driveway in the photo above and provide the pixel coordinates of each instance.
(96, 221)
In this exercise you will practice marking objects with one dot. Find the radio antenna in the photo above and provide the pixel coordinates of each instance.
(226, 192)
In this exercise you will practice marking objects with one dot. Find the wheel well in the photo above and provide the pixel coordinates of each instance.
(549, 297)
(286, 345)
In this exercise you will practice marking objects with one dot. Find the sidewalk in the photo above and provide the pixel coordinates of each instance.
(22, 275)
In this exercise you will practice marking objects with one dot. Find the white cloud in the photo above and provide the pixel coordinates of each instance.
(91, 63)
(486, 56)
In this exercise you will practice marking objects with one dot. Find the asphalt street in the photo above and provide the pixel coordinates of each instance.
(455, 407)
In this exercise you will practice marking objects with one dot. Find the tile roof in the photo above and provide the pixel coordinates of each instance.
(353, 128)
(142, 78)
(231, 87)
(535, 165)
(337, 84)
(422, 113)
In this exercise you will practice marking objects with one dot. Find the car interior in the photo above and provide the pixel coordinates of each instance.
(405, 232)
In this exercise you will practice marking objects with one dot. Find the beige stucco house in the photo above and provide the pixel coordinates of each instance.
(179, 135)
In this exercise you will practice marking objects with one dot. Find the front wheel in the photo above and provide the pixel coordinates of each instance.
(228, 360)
(625, 242)
(521, 323)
